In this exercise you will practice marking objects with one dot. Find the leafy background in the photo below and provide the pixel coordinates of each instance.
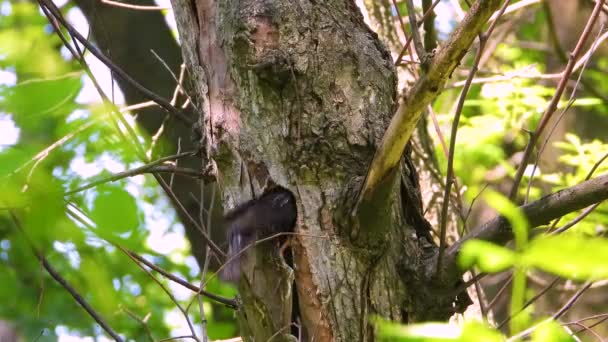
(62, 139)
(57, 136)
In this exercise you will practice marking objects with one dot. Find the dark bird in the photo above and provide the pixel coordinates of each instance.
(272, 213)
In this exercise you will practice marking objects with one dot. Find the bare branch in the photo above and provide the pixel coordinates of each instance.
(135, 7)
(555, 100)
(539, 212)
(423, 92)
(151, 167)
(231, 303)
(450, 177)
(56, 14)
(64, 283)
(424, 18)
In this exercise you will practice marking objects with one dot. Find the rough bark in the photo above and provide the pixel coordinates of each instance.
(301, 92)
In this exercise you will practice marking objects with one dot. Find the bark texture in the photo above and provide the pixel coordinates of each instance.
(300, 93)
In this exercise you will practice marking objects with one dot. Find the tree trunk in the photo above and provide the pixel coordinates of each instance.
(300, 93)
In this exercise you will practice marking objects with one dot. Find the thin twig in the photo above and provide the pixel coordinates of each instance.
(175, 338)
(150, 167)
(572, 301)
(556, 315)
(40, 156)
(449, 178)
(586, 328)
(408, 41)
(143, 322)
(64, 283)
(586, 59)
(138, 149)
(207, 257)
(95, 51)
(79, 216)
(577, 219)
(587, 212)
(135, 7)
(167, 292)
(424, 91)
(603, 317)
(527, 73)
(555, 100)
(231, 303)
(512, 8)
(179, 82)
(184, 211)
(137, 106)
(55, 16)
(540, 212)
(411, 13)
(531, 301)
(500, 292)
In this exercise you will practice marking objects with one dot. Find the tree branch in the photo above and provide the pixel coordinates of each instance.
(231, 303)
(561, 87)
(539, 212)
(54, 11)
(64, 283)
(128, 37)
(152, 167)
(426, 89)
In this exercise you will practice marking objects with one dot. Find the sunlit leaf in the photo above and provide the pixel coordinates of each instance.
(551, 331)
(569, 256)
(114, 210)
(436, 332)
(514, 214)
(100, 282)
(24, 99)
(26, 46)
(487, 256)
(12, 158)
(477, 331)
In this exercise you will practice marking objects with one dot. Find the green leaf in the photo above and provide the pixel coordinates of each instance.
(13, 158)
(25, 98)
(477, 331)
(99, 281)
(46, 210)
(551, 331)
(27, 46)
(511, 212)
(436, 332)
(8, 277)
(114, 210)
(569, 256)
(487, 256)
(431, 332)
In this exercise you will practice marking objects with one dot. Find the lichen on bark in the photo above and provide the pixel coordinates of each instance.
(309, 91)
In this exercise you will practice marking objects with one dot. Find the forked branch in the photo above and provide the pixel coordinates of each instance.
(538, 213)
(426, 89)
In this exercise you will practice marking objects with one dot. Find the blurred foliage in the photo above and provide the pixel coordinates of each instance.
(472, 331)
(511, 91)
(571, 257)
(62, 145)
